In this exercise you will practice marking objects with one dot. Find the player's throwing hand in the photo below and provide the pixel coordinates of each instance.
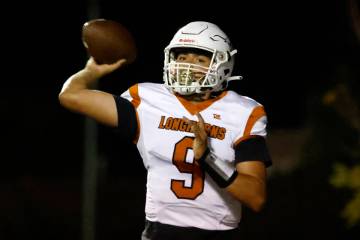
(102, 69)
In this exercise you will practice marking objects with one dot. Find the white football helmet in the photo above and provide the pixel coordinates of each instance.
(180, 77)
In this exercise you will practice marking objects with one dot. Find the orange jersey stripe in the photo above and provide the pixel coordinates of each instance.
(242, 139)
(134, 93)
(255, 115)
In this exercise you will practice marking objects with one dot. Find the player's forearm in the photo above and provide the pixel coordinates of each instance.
(75, 86)
(245, 181)
(249, 190)
(78, 96)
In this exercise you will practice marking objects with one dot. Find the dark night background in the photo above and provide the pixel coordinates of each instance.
(291, 53)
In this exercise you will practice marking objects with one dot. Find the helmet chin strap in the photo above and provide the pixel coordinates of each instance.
(233, 52)
(234, 78)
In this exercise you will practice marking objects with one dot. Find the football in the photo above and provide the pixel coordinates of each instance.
(108, 41)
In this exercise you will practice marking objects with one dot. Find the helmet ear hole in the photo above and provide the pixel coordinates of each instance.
(220, 57)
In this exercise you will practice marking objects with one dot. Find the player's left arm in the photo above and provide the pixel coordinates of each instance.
(251, 159)
(246, 181)
(249, 186)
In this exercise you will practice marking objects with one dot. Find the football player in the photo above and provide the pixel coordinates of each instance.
(203, 146)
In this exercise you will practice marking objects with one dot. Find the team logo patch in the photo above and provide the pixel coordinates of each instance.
(217, 116)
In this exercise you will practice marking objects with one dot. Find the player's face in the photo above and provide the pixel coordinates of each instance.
(197, 59)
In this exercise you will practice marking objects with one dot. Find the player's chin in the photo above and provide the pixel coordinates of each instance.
(197, 97)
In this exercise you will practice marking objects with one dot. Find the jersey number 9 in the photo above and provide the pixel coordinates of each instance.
(179, 160)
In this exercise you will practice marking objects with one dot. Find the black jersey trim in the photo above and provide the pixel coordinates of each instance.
(253, 149)
(127, 122)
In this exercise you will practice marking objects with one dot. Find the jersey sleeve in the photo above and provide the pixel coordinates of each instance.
(126, 104)
(251, 146)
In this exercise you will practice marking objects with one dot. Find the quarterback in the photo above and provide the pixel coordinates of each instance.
(203, 146)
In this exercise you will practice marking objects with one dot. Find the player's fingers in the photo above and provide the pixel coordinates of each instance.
(201, 121)
(186, 120)
(201, 124)
(118, 63)
(190, 123)
(196, 130)
(115, 65)
(200, 134)
(106, 68)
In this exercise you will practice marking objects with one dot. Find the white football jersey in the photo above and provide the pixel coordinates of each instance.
(178, 191)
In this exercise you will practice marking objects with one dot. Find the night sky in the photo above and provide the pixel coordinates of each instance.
(287, 53)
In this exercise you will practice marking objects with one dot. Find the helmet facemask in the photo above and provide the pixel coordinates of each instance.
(187, 78)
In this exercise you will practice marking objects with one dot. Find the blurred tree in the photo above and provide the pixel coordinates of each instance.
(345, 176)
(342, 98)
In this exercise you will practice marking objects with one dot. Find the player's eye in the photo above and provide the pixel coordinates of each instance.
(203, 60)
(181, 58)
